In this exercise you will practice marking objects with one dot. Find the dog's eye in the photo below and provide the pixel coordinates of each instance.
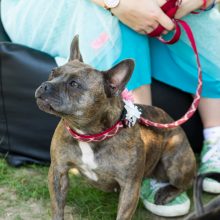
(75, 84)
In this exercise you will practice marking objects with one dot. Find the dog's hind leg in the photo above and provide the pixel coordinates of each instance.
(58, 187)
(166, 194)
(178, 163)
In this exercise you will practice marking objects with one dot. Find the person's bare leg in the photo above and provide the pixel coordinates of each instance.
(209, 110)
(142, 95)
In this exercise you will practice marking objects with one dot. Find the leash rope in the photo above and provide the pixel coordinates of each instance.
(170, 8)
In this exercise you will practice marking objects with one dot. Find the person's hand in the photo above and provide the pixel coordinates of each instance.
(188, 6)
(143, 16)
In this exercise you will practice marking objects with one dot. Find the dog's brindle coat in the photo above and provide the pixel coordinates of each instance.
(89, 101)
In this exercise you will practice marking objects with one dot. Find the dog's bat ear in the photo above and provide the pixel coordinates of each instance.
(117, 77)
(74, 50)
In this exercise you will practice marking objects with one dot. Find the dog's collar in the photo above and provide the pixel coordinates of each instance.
(130, 114)
(110, 132)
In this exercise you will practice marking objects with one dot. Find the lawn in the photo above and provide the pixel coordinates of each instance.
(24, 196)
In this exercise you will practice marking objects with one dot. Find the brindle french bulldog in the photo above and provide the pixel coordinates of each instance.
(89, 101)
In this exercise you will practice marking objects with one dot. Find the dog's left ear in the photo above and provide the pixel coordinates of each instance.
(74, 50)
(117, 77)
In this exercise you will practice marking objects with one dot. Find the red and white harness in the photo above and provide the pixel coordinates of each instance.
(170, 8)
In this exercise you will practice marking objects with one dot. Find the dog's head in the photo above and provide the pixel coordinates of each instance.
(77, 89)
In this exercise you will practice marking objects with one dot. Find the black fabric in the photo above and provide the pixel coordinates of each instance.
(25, 130)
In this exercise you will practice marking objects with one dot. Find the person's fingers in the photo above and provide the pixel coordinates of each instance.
(188, 6)
(181, 13)
(154, 25)
(165, 21)
(149, 29)
(165, 32)
(142, 32)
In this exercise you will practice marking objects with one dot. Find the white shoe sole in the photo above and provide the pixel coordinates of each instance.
(211, 186)
(168, 211)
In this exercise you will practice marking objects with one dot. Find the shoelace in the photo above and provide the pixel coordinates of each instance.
(213, 154)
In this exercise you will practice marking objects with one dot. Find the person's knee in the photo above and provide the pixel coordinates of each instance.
(142, 95)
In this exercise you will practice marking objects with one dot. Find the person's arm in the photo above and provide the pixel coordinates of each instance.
(99, 2)
(143, 16)
(188, 6)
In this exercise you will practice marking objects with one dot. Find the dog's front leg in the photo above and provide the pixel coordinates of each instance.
(128, 200)
(58, 187)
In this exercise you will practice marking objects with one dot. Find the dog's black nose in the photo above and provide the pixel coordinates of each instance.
(44, 88)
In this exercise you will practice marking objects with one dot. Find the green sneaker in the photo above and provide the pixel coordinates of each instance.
(210, 162)
(177, 207)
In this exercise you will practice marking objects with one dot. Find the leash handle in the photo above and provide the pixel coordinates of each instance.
(170, 8)
(175, 37)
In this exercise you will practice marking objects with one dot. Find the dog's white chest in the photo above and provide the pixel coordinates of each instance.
(88, 159)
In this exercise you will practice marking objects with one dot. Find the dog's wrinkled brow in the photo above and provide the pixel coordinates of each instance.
(75, 67)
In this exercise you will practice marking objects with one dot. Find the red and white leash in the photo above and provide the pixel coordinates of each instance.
(170, 8)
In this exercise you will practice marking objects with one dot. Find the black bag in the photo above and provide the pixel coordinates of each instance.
(25, 131)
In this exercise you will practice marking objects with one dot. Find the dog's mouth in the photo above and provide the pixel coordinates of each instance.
(45, 105)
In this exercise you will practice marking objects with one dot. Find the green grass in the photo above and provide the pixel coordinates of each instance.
(89, 203)
(30, 182)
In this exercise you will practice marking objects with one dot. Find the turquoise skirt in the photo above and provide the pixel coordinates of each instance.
(136, 46)
(179, 69)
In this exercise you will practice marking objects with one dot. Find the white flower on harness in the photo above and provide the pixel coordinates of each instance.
(133, 113)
